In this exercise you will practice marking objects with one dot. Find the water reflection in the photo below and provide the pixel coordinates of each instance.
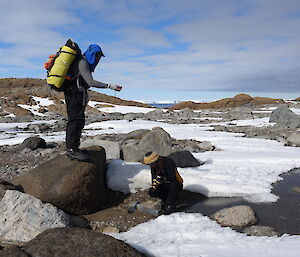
(284, 215)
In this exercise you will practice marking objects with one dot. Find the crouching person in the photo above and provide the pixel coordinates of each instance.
(166, 181)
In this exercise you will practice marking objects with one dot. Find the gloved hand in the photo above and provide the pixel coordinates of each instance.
(114, 87)
(157, 181)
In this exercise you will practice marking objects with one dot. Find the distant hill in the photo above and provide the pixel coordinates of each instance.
(238, 100)
(15, 91)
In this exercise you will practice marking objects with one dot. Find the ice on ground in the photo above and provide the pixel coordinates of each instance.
(259, 122)
(120, 108)
(192, 234)
(43, 101)
(295, 110)
(13, 133)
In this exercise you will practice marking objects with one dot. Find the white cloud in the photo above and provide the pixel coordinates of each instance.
(144, 37)
(175, 44)
(31, 28)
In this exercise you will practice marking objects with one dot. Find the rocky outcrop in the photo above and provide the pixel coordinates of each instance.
(70, 242)
(235, 217)
(20, 91)
(23, 216)
(284, 117)
(238, 100)
(75, 187)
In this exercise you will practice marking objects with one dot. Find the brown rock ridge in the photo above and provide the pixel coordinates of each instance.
(238, 100)
(15, 91)
(297, 99)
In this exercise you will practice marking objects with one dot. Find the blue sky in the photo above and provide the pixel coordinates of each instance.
(163, 50)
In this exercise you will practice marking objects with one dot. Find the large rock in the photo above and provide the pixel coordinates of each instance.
(75, 187)
(136, 134)
(235, 217)
(186, 114)
(112, 149)
(283, 116)
(133, 152)
(158, 114)
(157, 136)
(23, 216)
(158, 140)
(71, 242)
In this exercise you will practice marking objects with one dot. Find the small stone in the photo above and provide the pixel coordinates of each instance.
(111, 230)
(149, 207)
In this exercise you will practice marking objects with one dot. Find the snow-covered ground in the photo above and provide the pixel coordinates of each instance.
(244, 167)
(41, 102)
(194, 235)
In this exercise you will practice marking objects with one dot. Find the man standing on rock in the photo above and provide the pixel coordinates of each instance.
(76, 97)
(166, 181)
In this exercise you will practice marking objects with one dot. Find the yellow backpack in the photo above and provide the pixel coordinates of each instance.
(59, 64)
(178, 177)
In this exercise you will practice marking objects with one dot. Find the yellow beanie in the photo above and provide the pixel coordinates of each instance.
(150, 157)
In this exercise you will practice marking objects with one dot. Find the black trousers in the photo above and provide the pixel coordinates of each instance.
(76, 119)
(168, 192)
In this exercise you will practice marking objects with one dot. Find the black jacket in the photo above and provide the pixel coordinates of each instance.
(166, 170)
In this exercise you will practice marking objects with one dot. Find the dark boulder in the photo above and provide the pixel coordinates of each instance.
(33, 143)
(184, 159)
(73, 186)
(70, 242)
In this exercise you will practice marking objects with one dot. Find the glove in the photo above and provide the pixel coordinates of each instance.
(114, 87)
(157, 181)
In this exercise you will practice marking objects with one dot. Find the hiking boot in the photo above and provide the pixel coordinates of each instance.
(76, 154)
(167, 209)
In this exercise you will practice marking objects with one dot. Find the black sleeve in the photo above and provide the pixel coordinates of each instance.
(169, 170)
(153, 174)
